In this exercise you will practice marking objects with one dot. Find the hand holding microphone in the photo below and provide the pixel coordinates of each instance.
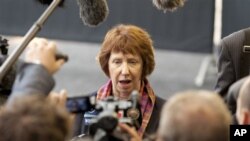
(43, 52)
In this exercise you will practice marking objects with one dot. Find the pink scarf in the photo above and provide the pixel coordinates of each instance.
(147, 101)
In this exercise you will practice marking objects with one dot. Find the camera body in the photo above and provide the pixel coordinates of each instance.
(110, 112)
(102, 117)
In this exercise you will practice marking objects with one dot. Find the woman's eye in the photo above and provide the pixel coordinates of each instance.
(133, 62)
(116, 62)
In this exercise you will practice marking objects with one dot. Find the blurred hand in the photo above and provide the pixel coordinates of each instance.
(134, 136)
(59, 98)
(41, 51)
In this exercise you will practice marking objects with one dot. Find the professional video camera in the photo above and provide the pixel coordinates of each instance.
(8, 80)
(106, 114)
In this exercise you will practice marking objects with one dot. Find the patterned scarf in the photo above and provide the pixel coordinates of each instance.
(147, 101)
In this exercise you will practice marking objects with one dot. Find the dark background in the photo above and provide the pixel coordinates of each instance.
(236, 15)
(183, 39)
(187, 29)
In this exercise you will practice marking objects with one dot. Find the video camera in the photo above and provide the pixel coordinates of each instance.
(103, 116)
(8, 80)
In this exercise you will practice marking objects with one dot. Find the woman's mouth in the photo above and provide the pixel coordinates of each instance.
(125, 83)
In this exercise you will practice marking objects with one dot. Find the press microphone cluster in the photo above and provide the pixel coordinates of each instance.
(168, 5)
(92, 12)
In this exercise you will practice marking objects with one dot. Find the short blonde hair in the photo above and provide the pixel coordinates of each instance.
(195, 115)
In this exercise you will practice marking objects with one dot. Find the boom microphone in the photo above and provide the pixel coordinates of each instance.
(92, 12)
(168, 5)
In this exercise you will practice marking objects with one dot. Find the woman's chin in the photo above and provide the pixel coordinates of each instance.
(124, 96)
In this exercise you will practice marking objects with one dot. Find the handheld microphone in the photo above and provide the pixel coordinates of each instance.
(168, 5)
(134, 111)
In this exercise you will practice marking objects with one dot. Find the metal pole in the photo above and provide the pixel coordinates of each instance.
(199, 80)
(27, 38)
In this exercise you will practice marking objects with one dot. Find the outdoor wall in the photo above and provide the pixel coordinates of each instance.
(187, 29)
(236, 16)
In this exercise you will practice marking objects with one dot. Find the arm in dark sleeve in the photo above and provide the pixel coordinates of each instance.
(233, 94)
(226, 70)
(32, 79)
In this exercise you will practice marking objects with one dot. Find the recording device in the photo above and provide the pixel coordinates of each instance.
(8, 79)
(103, 118)
(92, 12)
(4, 46)
(103, 127)
(168, 5)
(81, 104)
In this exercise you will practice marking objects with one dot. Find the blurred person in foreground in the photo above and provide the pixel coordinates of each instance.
(29, 114)
(194, 116)
(127, 58)
(35, 75)
(243, 103)
(35, 118)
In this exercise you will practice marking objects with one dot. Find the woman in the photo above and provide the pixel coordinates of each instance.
(127, 58)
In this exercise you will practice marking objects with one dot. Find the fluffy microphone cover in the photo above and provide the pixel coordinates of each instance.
(168, 5)
(93, 12)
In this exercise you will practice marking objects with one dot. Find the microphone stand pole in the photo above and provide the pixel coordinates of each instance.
(27, 38)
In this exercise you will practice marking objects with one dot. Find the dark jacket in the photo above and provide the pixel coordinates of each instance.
(233, 63)
(233, 94)
(31, 79)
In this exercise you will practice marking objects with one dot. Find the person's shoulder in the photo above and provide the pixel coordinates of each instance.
(160, 101)
(235, 35)
(235, 87)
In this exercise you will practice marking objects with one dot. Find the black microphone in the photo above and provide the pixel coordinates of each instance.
(92, 12)
(134, 111)
(168, 5)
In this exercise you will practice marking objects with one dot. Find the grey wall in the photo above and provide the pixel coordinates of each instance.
(187, 29)
(236, 15)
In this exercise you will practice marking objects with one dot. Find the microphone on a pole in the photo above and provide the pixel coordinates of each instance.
(168, 5)
(92, 12)
(47, 2)
(36, 27)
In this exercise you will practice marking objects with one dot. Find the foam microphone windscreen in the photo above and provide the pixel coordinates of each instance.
(47, 2)
(93, 12)
(168, 5)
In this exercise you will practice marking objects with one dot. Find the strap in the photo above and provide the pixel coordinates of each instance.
(245, 55)
(247, 35)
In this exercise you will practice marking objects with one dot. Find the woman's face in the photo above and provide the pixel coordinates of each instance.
(125, 72)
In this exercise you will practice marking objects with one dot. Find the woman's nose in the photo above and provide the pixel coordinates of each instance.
(125, 69)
